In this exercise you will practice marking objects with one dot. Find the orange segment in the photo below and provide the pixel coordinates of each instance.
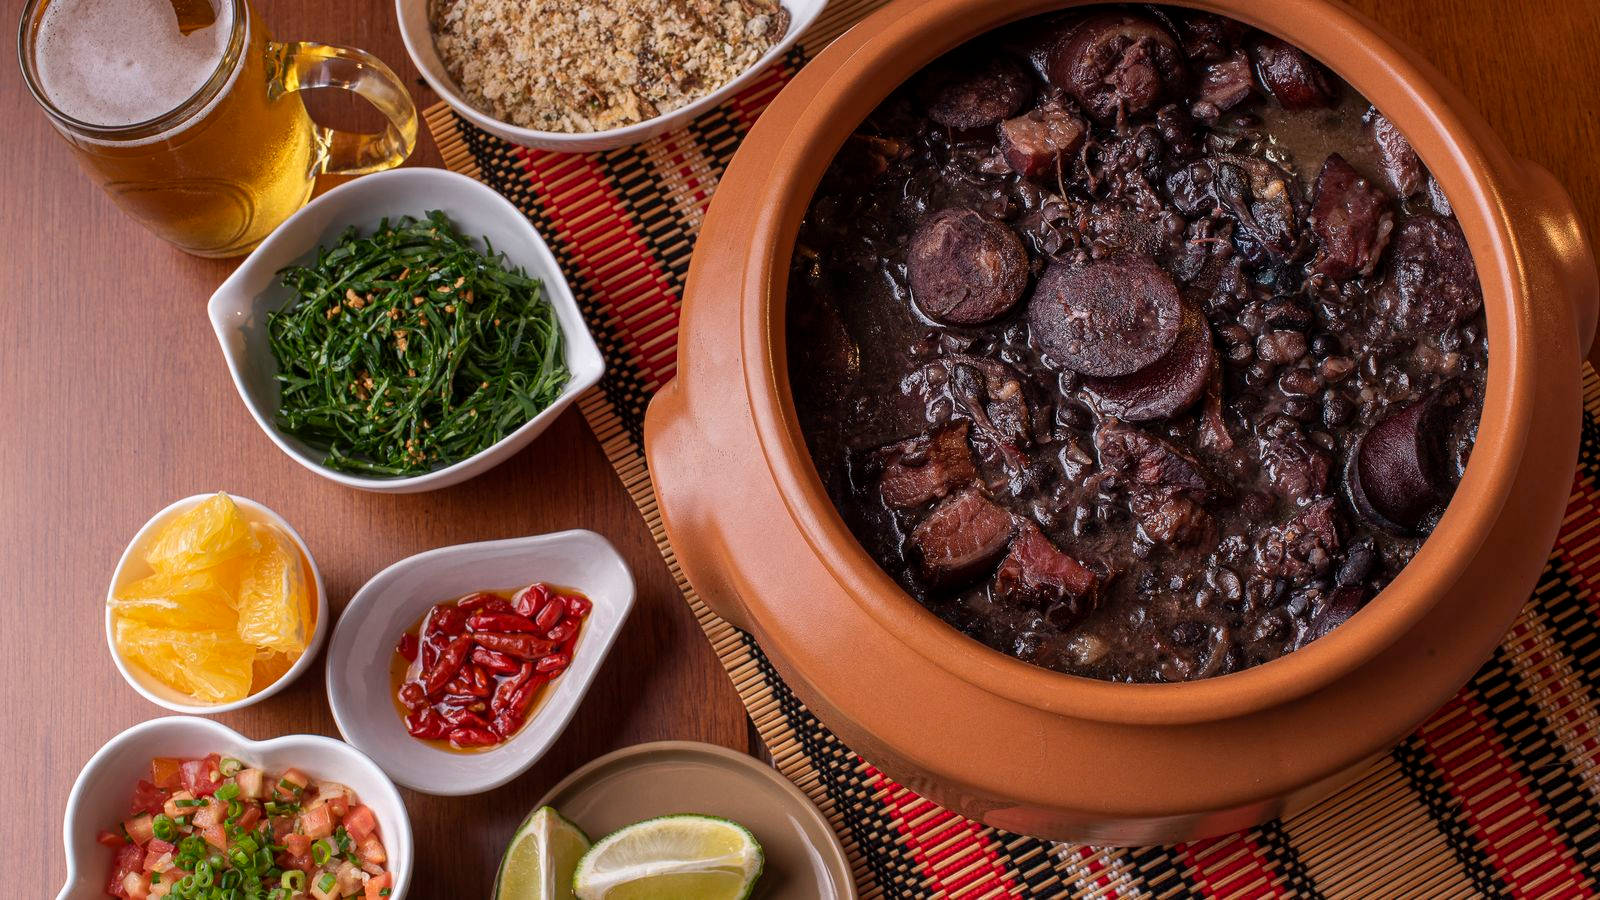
(210, 666)
(210, 533)
(274, 605)
(196, 602)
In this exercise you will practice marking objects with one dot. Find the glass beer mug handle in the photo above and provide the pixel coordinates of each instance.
(301, 64)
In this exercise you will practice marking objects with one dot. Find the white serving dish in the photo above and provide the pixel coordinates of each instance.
(363, 645)
(417, 33)
(131, 566)
(99, 797)
(239, 307)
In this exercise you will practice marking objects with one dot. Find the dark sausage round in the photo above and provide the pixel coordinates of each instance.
(1170, 384)
(1111, 317)
(1116, 61)
(965, 268)
(970, 90)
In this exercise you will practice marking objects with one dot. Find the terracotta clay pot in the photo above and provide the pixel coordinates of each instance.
(1053, 755)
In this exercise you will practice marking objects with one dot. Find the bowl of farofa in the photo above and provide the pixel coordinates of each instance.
(578, 77)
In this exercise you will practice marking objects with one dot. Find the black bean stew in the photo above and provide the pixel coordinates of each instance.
(1135, 344)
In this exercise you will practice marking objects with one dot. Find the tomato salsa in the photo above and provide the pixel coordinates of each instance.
(468, 672)
(215, 827)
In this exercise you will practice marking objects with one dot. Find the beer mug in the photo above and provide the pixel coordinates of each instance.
(199, 132)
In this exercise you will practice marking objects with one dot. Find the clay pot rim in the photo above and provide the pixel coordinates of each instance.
(880, 54)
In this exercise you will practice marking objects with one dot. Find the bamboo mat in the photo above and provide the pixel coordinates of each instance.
(1495, 795)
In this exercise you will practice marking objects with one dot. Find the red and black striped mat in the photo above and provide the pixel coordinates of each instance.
(1495, 795)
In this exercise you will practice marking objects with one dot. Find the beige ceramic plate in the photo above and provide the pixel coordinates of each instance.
(804, 859)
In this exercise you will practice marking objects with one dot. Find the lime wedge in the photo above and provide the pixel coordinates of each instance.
(672, 857)
(539, 863)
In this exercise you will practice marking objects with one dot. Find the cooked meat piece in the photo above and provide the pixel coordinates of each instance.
(1168, 516)
(1296, 469)
(1168, 385)
(1208, 38)
(1265, 201)
(1035, 142)
(1109, 317)
(1352, 219)
(974, 89)
(961, 538)
(1295, 79)
(924, 468)
(1431, 284)
(1301, 547)
(1150, 461)
(1117, 63)
(1223, 85)
(1400, 163)
(1037, 573)
(965, 268)
(991, 393)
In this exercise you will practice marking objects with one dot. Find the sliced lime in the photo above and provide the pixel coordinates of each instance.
(672, 857)
(540, 861)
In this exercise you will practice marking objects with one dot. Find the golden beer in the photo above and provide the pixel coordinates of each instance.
(201, 137)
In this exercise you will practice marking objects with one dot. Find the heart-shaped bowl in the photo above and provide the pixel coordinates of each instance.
(239, 307)
(132, 567)
(99, 797)
(363, 645)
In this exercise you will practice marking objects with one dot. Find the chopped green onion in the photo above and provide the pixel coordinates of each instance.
(229, 767)
(228, 791)
(326, 882)
(164, 827)
(321, 852)
(294, 880)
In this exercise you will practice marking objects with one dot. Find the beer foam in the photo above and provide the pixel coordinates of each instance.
(120, 62)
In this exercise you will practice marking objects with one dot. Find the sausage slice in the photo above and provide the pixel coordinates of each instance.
(1170, 384)
(1111, 317)
(974, 90)
(1117, 62)
(965, 268)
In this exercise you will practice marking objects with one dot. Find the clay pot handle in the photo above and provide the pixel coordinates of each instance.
(674, 447)
(1568, 253)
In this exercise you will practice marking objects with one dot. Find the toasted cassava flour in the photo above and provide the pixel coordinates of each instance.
(568, 65)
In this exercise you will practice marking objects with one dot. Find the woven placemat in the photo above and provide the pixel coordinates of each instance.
(1495, 795)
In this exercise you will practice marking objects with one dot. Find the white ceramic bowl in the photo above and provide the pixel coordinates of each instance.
(132, 567)
(99, 797)
(385, 607)
(239, 307)
(417, 33)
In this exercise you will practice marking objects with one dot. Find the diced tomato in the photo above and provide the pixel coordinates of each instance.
(147, 798)
(376, 884)
(370, 849)
(360, 822)
(201, 777)
(158, 855)
(339, 806)
(291, 784)
(215, 835)
(140, 828)
(173, 810)
(282, 827)
(213, 813)
(111, 839)
(317, 823)
(252, 784)
(135, 886)
(249, 818)
(166, 772)
(129, 859)
(297, 844)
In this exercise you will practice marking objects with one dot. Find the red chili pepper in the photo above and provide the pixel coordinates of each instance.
(498, 663)
(522, 646)
(450, 662)
(530, 599)
(578, 605)
(472, 736)
(407, 647)
(481, 601)
(426, 723)
(553, 612)
(553, 664)
(563, 631)
(412, 696)
(457, 717)
(508, 687)
(503, 623)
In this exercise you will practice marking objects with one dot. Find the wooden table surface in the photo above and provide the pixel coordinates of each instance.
(114, 400)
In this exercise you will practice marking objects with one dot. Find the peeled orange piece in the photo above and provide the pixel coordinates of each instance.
(210, 666)
(274, 605)
(195, 601)
(208, 534)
